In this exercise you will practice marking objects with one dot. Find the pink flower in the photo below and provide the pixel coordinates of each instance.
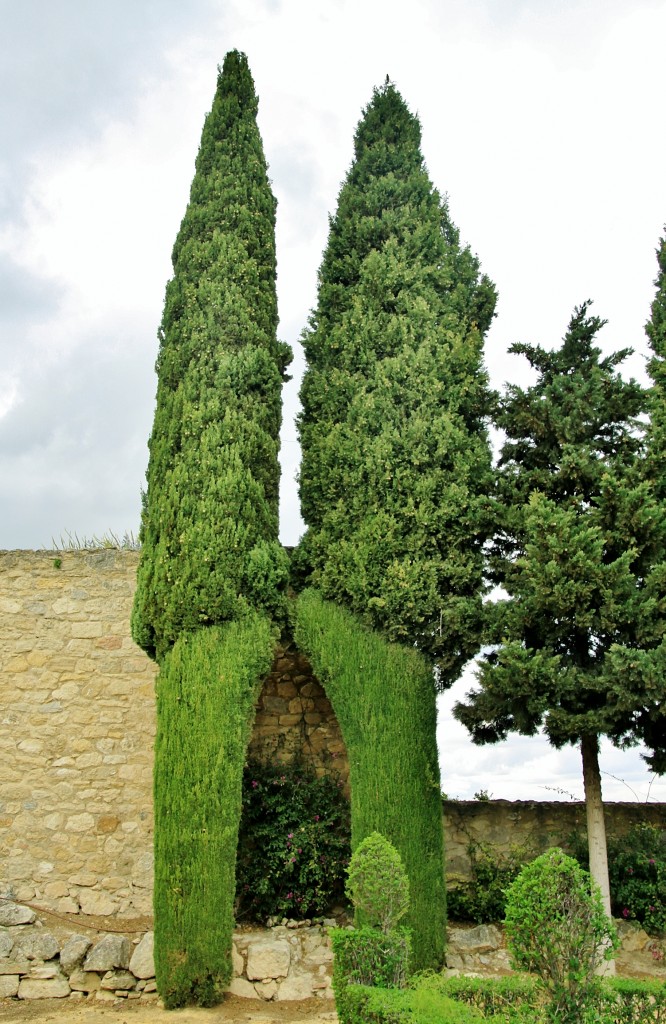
(254, 783)
(290, 895)
(317, 819)
(625, 912)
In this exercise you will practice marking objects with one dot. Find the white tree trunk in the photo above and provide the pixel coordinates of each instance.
(596, 828)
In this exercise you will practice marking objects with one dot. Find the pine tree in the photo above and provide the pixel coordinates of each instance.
(579, 533)
(210, 517)
(396, 462)
(212, 575)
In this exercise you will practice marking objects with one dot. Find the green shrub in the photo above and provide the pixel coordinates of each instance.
(556, 927)
(406, 1006)
(383, 696)
(520, 1000)
(622, 1001)
(294, 842)
(378, 885)
(483, 898)
(365, 956)
(513, 999)
(637, 873)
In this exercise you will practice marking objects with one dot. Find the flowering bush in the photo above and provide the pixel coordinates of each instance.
(293, 845)
(637, 871)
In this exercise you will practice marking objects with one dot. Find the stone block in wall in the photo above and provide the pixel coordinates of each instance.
(14, 913)
(296, 986)
(84, 981)
(142, 961)
(6, 942)
(44, 988)
(242, 987)
(110, 952)
(268, 958)
(36, 944)
(74, 952)
(9, 985)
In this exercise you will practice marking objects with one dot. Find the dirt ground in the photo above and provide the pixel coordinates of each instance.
(232, 1011)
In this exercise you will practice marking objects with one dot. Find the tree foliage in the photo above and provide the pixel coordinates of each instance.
(209, 526)
(644, 669)
(579, 532)
(396, 464)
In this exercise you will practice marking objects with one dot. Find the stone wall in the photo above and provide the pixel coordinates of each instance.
(295, 719)
(530, 825)
(76, 731)
(77, 722)
(46, 958)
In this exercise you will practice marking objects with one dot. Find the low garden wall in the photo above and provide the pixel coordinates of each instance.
(42, 957)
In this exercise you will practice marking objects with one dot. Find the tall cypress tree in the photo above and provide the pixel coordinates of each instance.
(210, 518)
(394, 480)
(578, 537)
(396, 462)
(212, 575)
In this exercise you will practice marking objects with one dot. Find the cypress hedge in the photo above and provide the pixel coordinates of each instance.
(396, 468)
(384, 698)
(206, 691)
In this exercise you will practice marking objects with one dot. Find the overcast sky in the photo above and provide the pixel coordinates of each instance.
(542, 121)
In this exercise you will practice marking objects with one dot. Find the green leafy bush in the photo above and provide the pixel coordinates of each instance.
(378, 884)
(514, 999)
(637, 873)
(624, 1001)
(365, 956)
(520, 1000)
(294, 842)
(483, 898)
(556, 928)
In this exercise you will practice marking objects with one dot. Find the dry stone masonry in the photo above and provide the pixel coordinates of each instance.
(293, 960)
(76, 731)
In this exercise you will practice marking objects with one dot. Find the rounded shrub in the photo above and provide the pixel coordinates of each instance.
(378, 885)
(557, 928)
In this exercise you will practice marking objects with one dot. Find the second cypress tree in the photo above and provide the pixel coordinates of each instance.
(396, 461)
(394, 482)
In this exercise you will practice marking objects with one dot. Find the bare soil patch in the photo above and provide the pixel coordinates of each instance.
(232, 1011)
